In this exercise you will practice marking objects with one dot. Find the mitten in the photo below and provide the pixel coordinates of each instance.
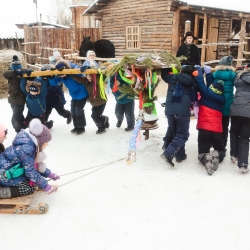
(50, 189)
(18, 72)
(83, 68)
(53, 176)
(207, 69)
(29, 71)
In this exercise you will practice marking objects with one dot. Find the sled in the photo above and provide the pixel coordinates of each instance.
(22, 205)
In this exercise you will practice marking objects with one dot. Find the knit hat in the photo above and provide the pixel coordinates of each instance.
(56, 54)
(40, 131)
(33, 88)
(188, 69)
(217, 87)
(226, 60)
(15, 64)
(47, 66)
(3, 130)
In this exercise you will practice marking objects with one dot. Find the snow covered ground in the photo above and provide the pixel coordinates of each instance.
(144, 206)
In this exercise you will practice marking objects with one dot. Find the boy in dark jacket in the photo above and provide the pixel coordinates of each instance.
(209, 123)
(177, 110)
(16, 97)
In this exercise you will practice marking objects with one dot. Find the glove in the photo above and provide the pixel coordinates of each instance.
(52, 69)
(18, 72)
(53, 176)
(207, 69)
(83, 68)
(50, 189)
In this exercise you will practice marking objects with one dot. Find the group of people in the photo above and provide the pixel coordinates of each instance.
(22, 165)
(219, 102)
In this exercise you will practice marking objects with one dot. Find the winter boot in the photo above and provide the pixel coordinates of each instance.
(100, 131)
(49, 124)
(215, 159)
(167, 159)
(127, 129)
(181, 158)
(234, 159)
(79, 131)
(118, 124)
(106, 122)
(208, 163)
(69, 119)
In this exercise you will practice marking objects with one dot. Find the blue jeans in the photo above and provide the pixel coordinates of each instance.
(128, 110)
(177, 135)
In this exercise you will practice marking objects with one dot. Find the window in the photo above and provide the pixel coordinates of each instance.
(132, 37)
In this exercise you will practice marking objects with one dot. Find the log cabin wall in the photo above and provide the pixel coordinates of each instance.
(155, 24)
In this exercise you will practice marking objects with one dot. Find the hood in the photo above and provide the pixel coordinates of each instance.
(36, 82)
(25, 137)
(90, 52)
(245, 75)
(185, 80)
(223, 72)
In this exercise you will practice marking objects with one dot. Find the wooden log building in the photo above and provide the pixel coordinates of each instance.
(145, 26)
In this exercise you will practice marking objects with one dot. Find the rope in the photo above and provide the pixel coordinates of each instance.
(103, 166)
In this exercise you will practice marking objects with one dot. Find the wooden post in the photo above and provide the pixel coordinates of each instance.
(187, 26)
(40, 39)
(242, 35)
(196, 28)
(204, 39)
(176, 32)
(73, 38)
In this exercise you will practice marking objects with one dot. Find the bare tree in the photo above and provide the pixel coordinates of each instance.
(61, 12)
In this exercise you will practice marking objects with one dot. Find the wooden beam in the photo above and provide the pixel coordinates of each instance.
(242, 35)
(204, 38)
(176, 32)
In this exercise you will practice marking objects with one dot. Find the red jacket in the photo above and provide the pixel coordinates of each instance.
(209, 119)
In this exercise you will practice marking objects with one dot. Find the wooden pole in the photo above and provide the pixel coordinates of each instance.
(187, 26)
(176, 32)
(242, 35)
(204, 39)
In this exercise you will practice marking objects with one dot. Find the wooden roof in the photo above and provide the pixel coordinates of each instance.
(99, 4)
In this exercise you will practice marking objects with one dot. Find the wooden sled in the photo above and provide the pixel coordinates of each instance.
(21, 205)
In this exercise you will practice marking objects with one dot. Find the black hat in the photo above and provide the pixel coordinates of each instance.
(15, 64)
(189, 33)
(188, 69)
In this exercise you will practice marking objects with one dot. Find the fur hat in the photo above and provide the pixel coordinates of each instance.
(40, 131)
(217, 87)
(188, 69)
(89, 52)
(34, 86)
(15, 64)
(226, 60)
(62, 63)
(3, 130)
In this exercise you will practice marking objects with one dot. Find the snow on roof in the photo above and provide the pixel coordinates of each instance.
(9, 31)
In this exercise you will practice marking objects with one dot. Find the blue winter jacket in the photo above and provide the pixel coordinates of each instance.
(23, 151)
(76, 90)
(227, 75)
(36, 104)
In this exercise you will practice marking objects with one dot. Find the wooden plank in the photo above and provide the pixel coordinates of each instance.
(204, 38)
(212, 37)
(242, 35)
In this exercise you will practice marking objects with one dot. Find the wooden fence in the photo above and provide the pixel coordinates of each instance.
(11, 43)
(39, 42)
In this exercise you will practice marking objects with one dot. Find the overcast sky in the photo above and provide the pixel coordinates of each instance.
(20, 11)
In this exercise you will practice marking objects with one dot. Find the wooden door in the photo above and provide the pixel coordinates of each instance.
(212, 37)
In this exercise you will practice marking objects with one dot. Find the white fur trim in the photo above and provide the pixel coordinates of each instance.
(35, 127)
(41, 167)
(41, 156)
(31, 136)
